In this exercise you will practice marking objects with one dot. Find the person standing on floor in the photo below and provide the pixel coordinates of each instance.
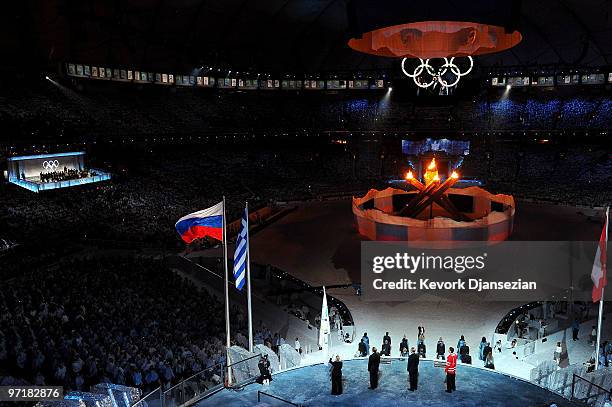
(421, 349)
(440, 349)
(481, 346)
(386, 349)
(387, 338)
(297, 346)
(451, 370)
(558, 352)
(362, 348)
(487, 349)
(489, 361)
(373, 366)
(403, 347)
(413, 369)
(421, 335)
(336, 375)
(460, 343)
(366, 340)
(575, 329)
(264, 371)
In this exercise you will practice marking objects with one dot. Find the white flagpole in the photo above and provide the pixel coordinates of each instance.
(325, 330)
(227, 307)
(601, 301)
(248, 276)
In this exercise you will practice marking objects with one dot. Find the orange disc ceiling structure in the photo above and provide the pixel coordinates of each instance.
(435, 39)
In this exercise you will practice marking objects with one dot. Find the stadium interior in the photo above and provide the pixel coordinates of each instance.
(193, 194)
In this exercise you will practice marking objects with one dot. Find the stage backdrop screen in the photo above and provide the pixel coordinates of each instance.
(32, 166)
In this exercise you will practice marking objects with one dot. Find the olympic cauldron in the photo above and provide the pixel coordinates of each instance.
(433, 210)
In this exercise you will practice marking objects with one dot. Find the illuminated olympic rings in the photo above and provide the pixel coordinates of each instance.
(437, 76)
(50, 165)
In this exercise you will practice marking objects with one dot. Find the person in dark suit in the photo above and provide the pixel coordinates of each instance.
(336, 375)
(422, 349)
(373, 365)
(487, 349)
(264, 371)
(403, 348)
(386, 349)
(413, 369)
(387, 338)
(362, 349)
(440, 349)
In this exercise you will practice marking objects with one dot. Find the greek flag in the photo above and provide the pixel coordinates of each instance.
(240, 255)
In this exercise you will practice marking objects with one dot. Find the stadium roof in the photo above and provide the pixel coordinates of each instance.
(280, 35)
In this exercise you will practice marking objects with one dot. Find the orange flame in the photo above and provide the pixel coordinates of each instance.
(432, 164)
(455, 175)
(431, 173)
(409, 175)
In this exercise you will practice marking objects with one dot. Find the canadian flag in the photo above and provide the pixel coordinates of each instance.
(598, 275)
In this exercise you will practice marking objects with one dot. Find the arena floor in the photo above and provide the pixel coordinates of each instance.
(311, 386)
(318, 243)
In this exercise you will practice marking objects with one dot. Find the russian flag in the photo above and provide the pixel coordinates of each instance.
(201, 224)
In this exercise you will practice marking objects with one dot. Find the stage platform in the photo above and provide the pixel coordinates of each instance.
(26, 171)
(311, 386)
(35, 185)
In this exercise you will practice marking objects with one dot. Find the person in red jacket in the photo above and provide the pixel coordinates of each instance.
(451, 370)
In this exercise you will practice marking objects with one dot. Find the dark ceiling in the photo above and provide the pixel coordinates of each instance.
(274, 35)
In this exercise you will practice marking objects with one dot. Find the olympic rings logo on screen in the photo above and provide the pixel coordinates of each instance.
(50, 165)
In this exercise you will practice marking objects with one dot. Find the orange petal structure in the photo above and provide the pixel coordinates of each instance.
(435, 39)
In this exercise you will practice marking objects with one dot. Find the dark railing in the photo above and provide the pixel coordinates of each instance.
(587, 392)
(243, 376)
(152, 399)
(259, 393)
(197, 386)
(194, 388)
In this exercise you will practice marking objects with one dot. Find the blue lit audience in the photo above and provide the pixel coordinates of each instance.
(77, 335)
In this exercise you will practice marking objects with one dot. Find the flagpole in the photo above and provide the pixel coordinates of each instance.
(599, 329)
(601, 301)
(226, 289)
(248, 272)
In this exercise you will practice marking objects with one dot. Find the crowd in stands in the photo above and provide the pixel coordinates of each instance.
(102, 109)
(77, 335)
(578, 175)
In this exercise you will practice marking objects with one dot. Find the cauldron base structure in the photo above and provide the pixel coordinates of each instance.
(492, 218)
